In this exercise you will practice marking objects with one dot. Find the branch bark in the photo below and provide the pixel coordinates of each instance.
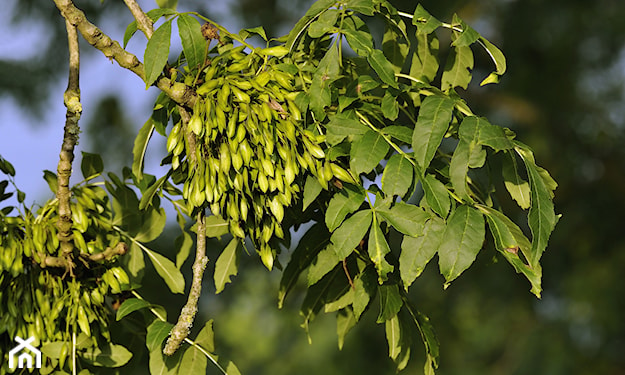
(71, 98)
(177, 91)
(144, 23)
(187, 315)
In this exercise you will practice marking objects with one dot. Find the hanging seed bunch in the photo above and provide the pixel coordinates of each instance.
(250, 145)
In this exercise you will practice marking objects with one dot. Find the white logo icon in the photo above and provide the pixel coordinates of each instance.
(25, 359)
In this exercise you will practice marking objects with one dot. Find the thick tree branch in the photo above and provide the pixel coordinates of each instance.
(177, 91)
(66, 157)
(144, 23)
(187, 315)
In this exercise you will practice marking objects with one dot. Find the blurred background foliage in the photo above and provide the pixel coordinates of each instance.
(563, 94)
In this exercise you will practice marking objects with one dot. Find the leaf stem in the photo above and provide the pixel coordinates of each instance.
(386, 138)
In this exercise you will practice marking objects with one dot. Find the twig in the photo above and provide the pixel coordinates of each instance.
(187, 315)
(144, 23)
(177, 91)
(61, 262)
(70, 138)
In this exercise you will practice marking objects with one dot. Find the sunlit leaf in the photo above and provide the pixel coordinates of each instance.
(193, 42)
(406, 218)
(91, 165)
(351, 232)
(140, 147)
(367, 152)
(341, 126)
(129, 306)
(458, 68)
(518, 188)
(156, 53)
(111, 355)
(323, 24)
(424, 65)
(324, 262)
(167, 271)
(345, 321)
(378, 248)
(432, 123)
(342, 204)
(436, 195)
(382, 67)
(424, 21)
(397, 176)
(193, 362)
(462, 240)
(312, 188)
(416, 252)
(226, 265)
(394, 46)
(390, 106)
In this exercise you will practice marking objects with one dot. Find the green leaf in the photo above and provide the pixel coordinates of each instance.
(258, 30)
(365, 288)
(398, 176)
(518, 188)
(154, 15)
(160, 364)
(193, 42)
(399, 340)
(216, 226)
(429, 339)
(390, 106)
(424, 21)
(312, 188)
(424, 65)
(323, 24)
(111, 355)
(342, 204)
(541, 217)
(169, 4)
(148, 195)
(140, 147)
(129, 306)
(157, 332)
(468, 35)
(193, 362)
(498, 58)
(461, 159)
(345, 321)
(183, 245)
(401, 133)
(206, 337)
(52, 180)
(350, 233)
(156, 53)
(458, 68)
(432, 123)
(320, 96)
(315, 9)
(394, 46)
(382, 67)
(91, 165)
(436, 195)
(167, 271)
(134, 264)
(358, 36)
(416, 252)
(390, 302)
(6, 167)
(406, 218)
(509, 240)
(367, 152)
(311, 243)
(328, 68)
(365, 7)
(152, 223)
(341, 126)
(378, 248)
(493, 136)
(227, 265)
(462, 240)
(324, 262)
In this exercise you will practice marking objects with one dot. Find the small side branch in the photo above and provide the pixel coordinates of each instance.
(144, 23)
(181, 330)
(177, 91)
(66, 157)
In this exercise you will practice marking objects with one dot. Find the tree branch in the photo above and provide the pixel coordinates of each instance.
(144, 23)
(177, 91)
(187, 315)
(66, 157)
